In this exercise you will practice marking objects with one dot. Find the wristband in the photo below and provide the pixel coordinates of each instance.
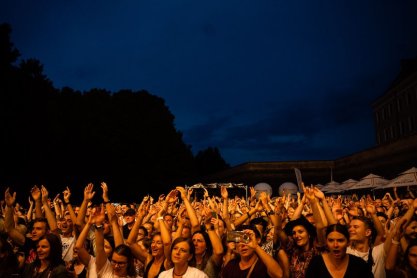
(98, 227)
(271, 212)
(159, 218)
(106, 202)
(248, 214)
(67, 203)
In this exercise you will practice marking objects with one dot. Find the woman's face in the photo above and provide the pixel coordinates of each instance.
(199, 244)
(412, 257)
(43, 249)
(157, 246)
(119, 264)
(222, 230)
(107, 248)
(181, 253)
(300, 236)
(337, 244)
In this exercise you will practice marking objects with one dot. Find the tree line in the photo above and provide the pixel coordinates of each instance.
(60, 137)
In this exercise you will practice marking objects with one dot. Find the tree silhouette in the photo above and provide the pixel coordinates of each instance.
(66, 137)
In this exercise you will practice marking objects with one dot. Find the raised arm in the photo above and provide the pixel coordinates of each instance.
(83, 254)
(195, 225)
(67, 195)
(36, 195)
(165, 235)
(272, 266)
(88, 196)
(327, 211)
(9, 223)
(215, 240)
(97, 220)
(50, 217)
(30, 210)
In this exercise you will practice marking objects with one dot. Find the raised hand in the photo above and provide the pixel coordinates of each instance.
(9, 198)
(45, 194)
(36, 193)
(182, 192)
(105, 189)
(67, 195)
(224, 192)
(88, 192)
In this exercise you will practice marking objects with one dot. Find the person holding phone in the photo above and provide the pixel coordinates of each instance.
(253, 261)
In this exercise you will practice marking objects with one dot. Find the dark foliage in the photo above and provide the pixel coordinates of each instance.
(69, 138)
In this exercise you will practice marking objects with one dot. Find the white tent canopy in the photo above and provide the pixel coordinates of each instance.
(331, 187)
(406, 178)
(369, 182)
(348, 184)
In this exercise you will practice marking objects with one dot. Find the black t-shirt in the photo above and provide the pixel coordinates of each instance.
(357, 267)
(232, 270)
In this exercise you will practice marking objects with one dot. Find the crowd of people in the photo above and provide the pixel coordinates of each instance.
(180, 235)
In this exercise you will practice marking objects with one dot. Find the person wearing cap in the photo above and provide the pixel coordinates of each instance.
(129, 218)
(299, 238)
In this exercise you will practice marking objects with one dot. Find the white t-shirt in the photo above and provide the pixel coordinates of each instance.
(68, 244)
(192, 272)
(378, 255)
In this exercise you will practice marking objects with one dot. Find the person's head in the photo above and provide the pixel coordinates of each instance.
(410, 257)
(169, 220)
(182, 251)
(382, 217)
(49, 248)
(378, 203)
(66, 224)
(186, 229)
(142, 233)
(411, 229)
(149, 227)
(260, 224)
(39, 228)
(302, 232)
(202, 244)
(108, 245)
(337, 240)
(129, 216)
(361, 229)
(157, 245)
(221, 227)
(243, 248)
(122, 261)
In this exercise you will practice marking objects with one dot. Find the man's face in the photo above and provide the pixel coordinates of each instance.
(129, 219)
(358, 231)
(411, 230)
(168, 221)
(66, 225)
(38, 230)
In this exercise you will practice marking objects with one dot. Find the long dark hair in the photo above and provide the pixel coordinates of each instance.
(406, 262)
(342, 229)
(124, 250)
(55, 250)
(209, 248)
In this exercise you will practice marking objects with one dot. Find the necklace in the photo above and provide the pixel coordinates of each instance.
(180, 275)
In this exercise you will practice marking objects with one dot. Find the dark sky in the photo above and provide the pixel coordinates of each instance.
(265, 80)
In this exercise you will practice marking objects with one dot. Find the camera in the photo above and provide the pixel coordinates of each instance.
(237, 236)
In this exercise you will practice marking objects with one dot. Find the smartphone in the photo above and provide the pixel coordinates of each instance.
(213, 214)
